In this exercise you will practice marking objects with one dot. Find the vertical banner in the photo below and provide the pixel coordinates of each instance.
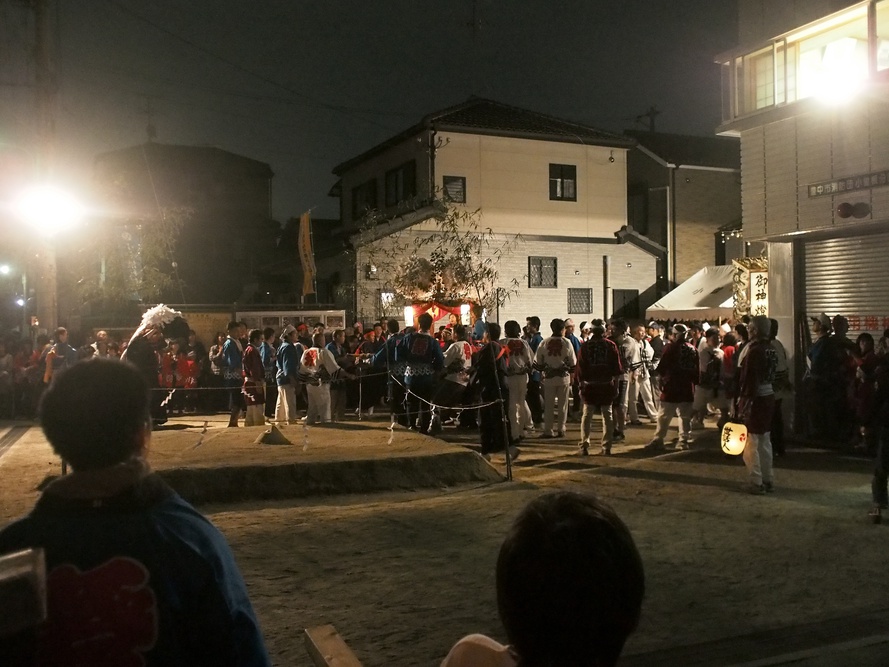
(759, 293)
(306, 254)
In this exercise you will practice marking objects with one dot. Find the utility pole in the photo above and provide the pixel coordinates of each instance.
(651, 114)
(47, 285)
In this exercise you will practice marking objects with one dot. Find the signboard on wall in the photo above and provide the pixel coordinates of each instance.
(759, 293)
(848, 184)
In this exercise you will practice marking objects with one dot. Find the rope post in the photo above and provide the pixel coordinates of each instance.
(504, 421)
(360, 395)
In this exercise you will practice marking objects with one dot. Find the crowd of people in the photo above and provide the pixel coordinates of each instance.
(136, 575)
(112, 528)
(508, 384)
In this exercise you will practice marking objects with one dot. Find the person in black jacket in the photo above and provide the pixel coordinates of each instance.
(490, 379)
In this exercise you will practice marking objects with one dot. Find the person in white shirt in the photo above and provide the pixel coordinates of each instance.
(710, 391)
(640, 380)
(555, 359)
(451, 391)
(520, 361)
(316, 369)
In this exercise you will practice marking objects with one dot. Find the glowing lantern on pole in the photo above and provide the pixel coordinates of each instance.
(408, 316)
(464, 313)
(734, 438)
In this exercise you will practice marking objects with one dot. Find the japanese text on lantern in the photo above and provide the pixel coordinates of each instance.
(759, 293)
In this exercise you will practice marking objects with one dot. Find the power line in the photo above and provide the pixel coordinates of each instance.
(349, 111)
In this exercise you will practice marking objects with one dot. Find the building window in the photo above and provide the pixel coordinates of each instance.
(563, 182)
(388, 304)
(826, 59)
(401, 183)
(580, 301)
(364, 198)
(455, 189)
(542, 272)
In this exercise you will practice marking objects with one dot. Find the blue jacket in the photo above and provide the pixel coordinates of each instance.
(534, 343)
(267, 354)
(234, 360)
(575, 342)
(421, 355)
(155, 580)
(289, 355)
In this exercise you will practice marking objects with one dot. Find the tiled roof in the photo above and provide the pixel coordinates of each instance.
(481, 116)
(683, 150)
(492, 117)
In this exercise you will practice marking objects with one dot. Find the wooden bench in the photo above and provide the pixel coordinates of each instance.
(22, 605)
(328, 649)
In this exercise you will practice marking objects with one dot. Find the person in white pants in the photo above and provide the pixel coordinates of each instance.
(555, 358)
(316, 368)
(520, 360)
(679, 370)
(640, 381)
(287, 376)
(756, 404)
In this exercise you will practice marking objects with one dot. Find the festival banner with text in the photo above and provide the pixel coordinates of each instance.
(306, 254)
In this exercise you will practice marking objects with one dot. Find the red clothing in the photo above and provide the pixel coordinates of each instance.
(599, 364)
(756, 402)
(865, 386)
(175, 372)
(254, 376)
(680, 371)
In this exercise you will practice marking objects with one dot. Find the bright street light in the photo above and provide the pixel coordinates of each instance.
(4, 269)
(48, 209)
(20, 302)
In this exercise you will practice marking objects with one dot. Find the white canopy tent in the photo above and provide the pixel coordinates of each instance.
(707, 295)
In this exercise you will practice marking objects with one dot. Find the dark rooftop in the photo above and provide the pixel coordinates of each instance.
(683, 150)
(481, 116)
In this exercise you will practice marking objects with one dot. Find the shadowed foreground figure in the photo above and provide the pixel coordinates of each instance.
(135, 575)
(570, 584)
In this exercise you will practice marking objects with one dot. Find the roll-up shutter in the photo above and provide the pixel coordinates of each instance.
(850, 277)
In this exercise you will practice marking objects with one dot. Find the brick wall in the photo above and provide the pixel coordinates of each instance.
(704, 201)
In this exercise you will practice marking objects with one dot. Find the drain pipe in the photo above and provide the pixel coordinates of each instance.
(606, 287)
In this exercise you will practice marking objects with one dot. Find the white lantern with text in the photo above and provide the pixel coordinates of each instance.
(759, 293)
(734, 438)
(408, 316)
(464, 313)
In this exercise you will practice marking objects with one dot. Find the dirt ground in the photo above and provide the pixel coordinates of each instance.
(404, 575)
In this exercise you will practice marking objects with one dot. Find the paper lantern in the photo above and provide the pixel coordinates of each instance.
(408, 316)
(734, 438)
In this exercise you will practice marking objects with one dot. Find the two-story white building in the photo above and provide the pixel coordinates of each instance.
(562, 186)
(808, 97)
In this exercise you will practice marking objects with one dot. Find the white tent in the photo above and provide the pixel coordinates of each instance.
(707, 295)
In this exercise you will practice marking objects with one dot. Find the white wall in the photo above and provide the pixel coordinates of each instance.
(509, 180)
(779, 160)
(580, 265)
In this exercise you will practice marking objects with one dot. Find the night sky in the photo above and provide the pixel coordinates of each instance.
(305, 85)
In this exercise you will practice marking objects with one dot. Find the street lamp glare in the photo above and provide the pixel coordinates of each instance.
(49, 209)
(4, 269)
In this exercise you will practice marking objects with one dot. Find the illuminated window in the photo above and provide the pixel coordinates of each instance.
(455, 188)
(542, 272)
(580, 301)
(828, 59)
(882, 35)
(563, 182)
